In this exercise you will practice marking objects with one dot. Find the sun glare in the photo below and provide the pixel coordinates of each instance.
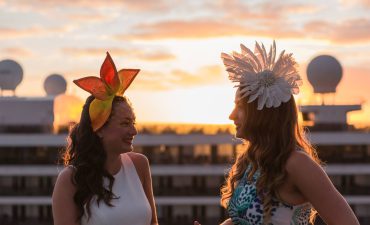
(205, 105)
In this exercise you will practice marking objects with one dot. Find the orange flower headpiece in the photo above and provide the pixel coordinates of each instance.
(111, 83)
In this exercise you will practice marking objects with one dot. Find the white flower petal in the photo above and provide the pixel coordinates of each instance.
(255, 95)
(269, 99)
(275, 96)
(283, 90)
(262, 99)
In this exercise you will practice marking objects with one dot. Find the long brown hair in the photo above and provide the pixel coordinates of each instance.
(85, 153)
(271, 135)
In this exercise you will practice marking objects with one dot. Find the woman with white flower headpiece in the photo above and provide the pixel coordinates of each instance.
(278, 178)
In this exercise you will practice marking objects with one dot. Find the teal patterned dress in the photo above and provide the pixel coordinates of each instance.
(245, 207)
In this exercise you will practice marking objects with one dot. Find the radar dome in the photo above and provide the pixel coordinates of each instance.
(55, 84)
(11, 74)
(324, 72)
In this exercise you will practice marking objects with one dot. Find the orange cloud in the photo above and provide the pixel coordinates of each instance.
(365, 3)
(205, 76)
(134, 53)
(70, 75)
(234, 10)
(201, 29)
(349, 31)
(299, 8)
(50, 5)
(17, 52)
(156, 80)
(10, 33)
(93, 52)
(90, 18)
(155, 56)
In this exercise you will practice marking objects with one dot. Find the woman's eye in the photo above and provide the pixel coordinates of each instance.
(128, 123)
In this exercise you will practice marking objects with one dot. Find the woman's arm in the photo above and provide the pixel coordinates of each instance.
(142, 165)
(64, 209)
(312, 181)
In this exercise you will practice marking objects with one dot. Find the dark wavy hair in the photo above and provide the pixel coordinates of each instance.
(272, 135)
(85, 153)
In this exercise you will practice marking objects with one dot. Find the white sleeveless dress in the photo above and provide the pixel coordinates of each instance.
(132, 207)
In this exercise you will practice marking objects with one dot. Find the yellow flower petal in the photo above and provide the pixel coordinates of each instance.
(99, 112)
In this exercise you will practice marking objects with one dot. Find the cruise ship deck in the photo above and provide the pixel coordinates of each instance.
(187, 170)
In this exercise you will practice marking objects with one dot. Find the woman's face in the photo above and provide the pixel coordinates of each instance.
(238, 116)
(118, 134)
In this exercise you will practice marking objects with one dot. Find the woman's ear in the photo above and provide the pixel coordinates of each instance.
(100, 133)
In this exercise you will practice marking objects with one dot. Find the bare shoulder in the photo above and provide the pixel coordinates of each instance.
(65, 210)
(304, 171)
(299, 161)
(138, 158)
(140, 161)
(64, 188)
(314, 184)
(65, 179)
(65, 176)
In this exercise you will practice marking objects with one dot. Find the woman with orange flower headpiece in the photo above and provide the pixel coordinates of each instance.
(104, 182)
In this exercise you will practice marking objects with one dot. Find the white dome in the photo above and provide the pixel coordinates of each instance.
(324, 72)
(55, 84)
(11, 74)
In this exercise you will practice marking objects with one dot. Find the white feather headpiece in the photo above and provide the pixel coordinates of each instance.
(260, 76)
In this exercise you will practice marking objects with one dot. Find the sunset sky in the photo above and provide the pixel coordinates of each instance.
(177, 46)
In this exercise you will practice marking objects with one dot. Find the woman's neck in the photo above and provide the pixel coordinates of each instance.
(113, 163)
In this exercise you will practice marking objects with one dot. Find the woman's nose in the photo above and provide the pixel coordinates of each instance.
(232, 114)
(134, 130)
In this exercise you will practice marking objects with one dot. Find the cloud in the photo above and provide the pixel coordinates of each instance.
(144, 5)
(266, 19)
(17, 52)
(139, 54)
(299, 8)
(51, 5)
(347, 3)
(200, 29)
(35, 31)
(204, 76)
(155, 56)
(78, 73)
(159, 81)
(355, 30)
(93, 52)
(88, 17)
(348, 31)
(230, 18)
(269, 10)
(365, 3)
